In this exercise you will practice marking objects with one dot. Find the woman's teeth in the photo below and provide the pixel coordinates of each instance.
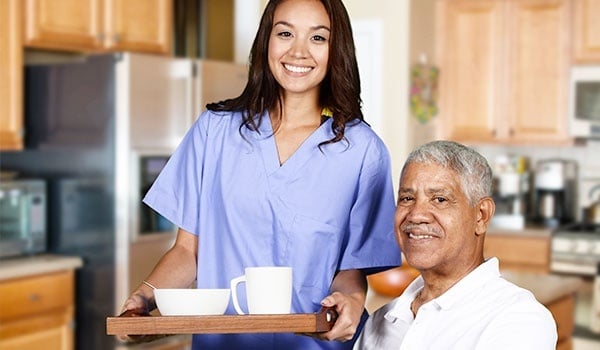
(296, 69)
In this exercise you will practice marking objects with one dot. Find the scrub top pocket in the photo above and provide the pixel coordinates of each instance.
(316, 246)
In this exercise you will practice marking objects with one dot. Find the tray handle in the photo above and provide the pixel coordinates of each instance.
(326, 318)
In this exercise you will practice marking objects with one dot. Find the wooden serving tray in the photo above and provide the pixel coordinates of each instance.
(321, 321)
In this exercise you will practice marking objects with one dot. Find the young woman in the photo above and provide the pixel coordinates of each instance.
(286, 174)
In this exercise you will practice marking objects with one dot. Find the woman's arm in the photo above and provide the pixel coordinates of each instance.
(348, 295)
(176, 269)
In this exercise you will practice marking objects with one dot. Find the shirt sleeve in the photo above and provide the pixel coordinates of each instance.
(372, 244)
(521, 326)
(175, 193)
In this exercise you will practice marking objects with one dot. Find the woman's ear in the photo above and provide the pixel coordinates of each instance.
(486, 208)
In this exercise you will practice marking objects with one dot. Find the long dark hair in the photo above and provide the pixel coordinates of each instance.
(339, 91)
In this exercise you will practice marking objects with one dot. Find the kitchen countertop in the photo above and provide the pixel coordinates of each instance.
(547, 288)
(36, 264)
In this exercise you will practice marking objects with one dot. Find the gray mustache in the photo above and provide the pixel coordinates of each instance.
(419, 227)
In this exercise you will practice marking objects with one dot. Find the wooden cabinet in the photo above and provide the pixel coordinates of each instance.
(11, 79)
(519, 252)
(504, 68)
(99, 25)
(37, 312)
(586, 48)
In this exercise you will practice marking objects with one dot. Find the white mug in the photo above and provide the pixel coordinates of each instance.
(268, 290)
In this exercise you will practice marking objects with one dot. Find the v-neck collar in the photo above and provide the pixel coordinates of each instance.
(269, 152)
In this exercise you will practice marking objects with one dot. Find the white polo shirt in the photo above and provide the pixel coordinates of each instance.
(481, 311)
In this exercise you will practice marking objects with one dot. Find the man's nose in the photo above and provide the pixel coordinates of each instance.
(419, 211)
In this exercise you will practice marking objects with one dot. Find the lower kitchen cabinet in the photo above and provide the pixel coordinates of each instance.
(37, 312)
(528, 251)
(563, 311)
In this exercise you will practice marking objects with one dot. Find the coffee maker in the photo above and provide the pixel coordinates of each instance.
(510, 191)
(554, 192)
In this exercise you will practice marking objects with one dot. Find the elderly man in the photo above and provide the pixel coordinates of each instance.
(460, 301)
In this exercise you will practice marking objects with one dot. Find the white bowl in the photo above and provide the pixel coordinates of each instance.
(190, 302)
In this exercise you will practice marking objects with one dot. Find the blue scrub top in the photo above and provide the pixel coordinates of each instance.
(322, 211)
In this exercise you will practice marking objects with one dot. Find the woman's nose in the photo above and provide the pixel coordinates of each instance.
(299, 49)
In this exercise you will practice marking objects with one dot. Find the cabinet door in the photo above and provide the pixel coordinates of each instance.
(64, 24)
(470, 47)
(56, 338)
(587, 31)
(539, 69)
(139, 25)
(11, 80)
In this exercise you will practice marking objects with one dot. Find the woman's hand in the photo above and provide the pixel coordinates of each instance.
(349, 309)
(349, 290)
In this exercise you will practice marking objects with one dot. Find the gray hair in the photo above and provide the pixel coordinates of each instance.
(472, 168)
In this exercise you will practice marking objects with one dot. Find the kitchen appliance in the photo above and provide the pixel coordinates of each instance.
(575, 251)
(592, 212)
(22, 217)
(89, 120)
(555, 192)
(510, 191)
(584, 102)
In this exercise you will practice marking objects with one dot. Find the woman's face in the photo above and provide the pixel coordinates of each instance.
(299, 45)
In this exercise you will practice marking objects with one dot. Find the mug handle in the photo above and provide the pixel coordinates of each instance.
(233, 286)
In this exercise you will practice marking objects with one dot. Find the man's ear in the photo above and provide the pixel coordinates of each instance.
(486, 208)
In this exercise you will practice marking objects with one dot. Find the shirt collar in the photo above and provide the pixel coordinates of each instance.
(476, 279)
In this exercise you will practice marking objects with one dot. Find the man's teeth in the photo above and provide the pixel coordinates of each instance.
(296, 69)
(415, 236)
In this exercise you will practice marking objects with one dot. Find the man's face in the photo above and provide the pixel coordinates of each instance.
(435, 225)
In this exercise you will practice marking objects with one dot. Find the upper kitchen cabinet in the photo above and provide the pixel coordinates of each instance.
(99, 25)
(11, 80)
(504, 68)
(586, 46)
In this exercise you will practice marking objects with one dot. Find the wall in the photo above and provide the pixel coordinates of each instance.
(422, 42)
(394, 15)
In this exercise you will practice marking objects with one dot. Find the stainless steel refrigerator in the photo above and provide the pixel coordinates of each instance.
(98, 129)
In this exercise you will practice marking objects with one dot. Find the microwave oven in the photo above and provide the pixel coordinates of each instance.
(22, 217)
(584, 102)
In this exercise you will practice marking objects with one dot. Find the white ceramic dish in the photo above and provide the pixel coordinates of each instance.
(191, 302)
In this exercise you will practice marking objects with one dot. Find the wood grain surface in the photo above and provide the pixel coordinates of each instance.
(163, 325)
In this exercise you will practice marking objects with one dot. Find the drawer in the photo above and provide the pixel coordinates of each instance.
(34, 295)
(519, 252)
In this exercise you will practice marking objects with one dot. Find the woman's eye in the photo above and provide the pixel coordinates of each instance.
(319, 38)
(284, 34)
(440, 199)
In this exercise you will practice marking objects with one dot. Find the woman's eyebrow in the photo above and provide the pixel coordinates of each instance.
(287, 24)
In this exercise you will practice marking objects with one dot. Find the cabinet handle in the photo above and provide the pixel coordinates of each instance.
(34, 297)
(494, 133)
(100, 37)
(511, 132)
(116, 38)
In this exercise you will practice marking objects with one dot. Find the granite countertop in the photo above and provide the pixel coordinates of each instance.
(547, 288)
(36, 264)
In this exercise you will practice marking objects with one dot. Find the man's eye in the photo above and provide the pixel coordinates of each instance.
(440, 199)
(405, 199)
